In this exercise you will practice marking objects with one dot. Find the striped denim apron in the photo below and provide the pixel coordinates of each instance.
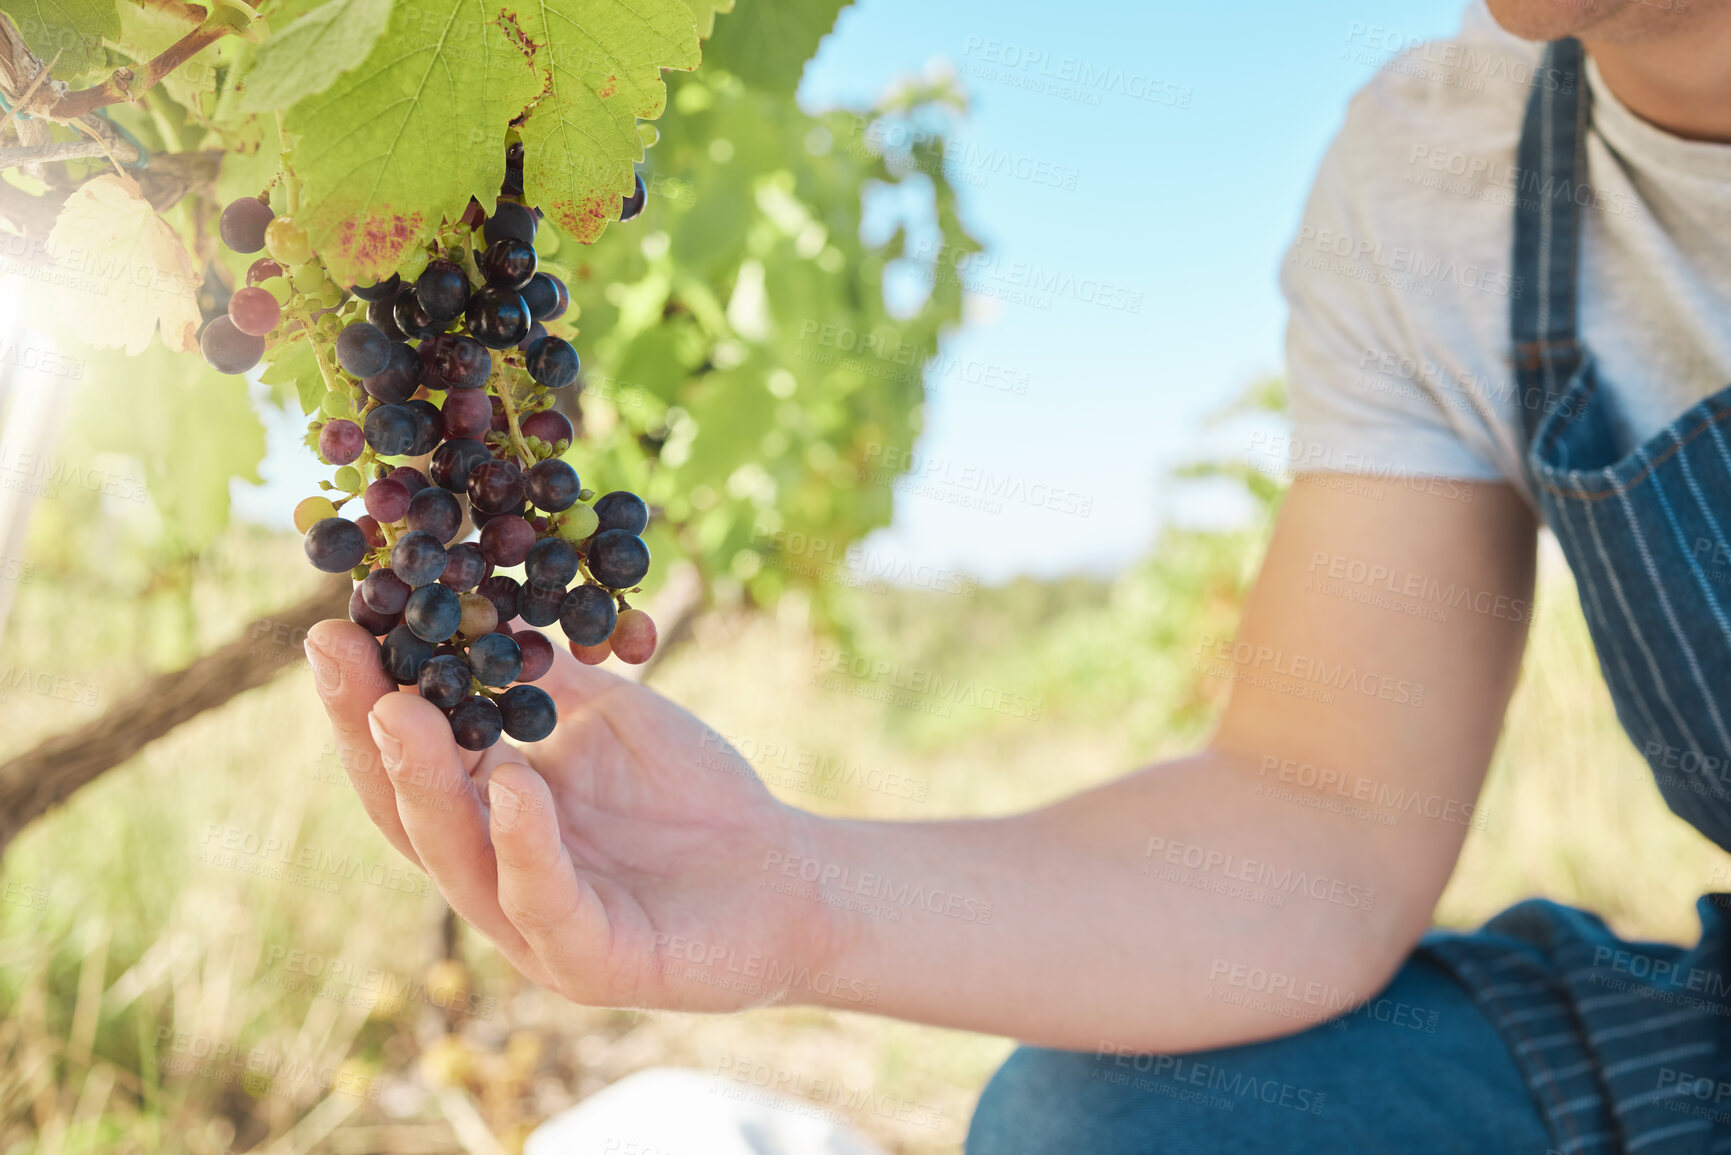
(1623, 1044)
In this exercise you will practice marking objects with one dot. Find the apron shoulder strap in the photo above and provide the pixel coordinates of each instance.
(1550, 168)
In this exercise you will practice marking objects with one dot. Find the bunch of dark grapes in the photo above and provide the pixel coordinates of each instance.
(440, 386)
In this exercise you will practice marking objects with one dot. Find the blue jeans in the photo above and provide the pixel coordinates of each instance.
(1419, 1069)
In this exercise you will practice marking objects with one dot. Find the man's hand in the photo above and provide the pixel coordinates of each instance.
(605, 861)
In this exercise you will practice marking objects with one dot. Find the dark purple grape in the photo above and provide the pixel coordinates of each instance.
(404, 654)
(465, 567)
(443, 289)
(445, 680)
(341, 442)
(537, 654)
(630, 206)
(385, 591)
(399, 379)
(391, 430)
(496, 486)
(506, 539)
(454, 361)
(435, 511)
(549, 425)
(242, 224)
(412, 317)
(552, 485)
(413, 479)
(363, 349)
(227, 350)
(546, 297)
(513, 183)
(552, 561)
(588, 615)
(508, 263)
(382, 313)
(540, 604)
(504, 592)
(480, 517)
(434, 613)
(621, 509)
(335, 545)
(383, 291)
(418, 558)
(475, 723)
(536, 331)
(619, 560)
(552, 362)
(466, 415)
(497, 317)
(387, 499)
(509, 219)
(369, 619)
(496, 659)
(527, 713)
(455, 460)
(429, 426)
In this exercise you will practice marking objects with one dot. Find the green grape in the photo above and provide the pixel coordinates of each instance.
(335, 404)
(360, 572)
(348, 479)
(286, 243)
(414, 263)
(579, 523)
(277, 287)
(648, 133)
(329, 297)
(308, 279)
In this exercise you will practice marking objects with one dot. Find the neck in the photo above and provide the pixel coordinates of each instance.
(1679, 83)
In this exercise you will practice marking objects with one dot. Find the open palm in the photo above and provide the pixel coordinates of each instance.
(623, 861)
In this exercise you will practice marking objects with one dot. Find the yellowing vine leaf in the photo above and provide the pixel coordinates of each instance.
(306, 57)
(600, 65)
(117, 260)
(409, 136)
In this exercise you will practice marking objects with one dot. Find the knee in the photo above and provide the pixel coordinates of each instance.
(1040, 1102)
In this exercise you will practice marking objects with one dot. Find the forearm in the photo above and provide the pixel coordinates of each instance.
(1178, 908)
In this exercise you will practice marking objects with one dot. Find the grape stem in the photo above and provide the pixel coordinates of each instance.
(503, 391)
(290, 186)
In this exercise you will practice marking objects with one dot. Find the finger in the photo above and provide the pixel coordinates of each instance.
(350, 678)
(558, 915)
(441, 811)
(572, 685)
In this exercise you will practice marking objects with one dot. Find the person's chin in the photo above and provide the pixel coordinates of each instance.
(1539, 19)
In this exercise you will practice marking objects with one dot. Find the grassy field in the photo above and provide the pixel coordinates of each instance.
(212, 950)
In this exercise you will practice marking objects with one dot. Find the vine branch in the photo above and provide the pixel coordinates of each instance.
(125, 85)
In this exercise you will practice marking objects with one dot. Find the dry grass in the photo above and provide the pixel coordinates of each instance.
(130, 948)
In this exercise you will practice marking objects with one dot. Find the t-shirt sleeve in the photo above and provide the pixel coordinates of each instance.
(1362, 399)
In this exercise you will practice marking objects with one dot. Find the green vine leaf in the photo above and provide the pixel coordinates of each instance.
(767, 43)
(600, 65)
(307, 56)
(73, 28)
(703, 12)
(409, 136)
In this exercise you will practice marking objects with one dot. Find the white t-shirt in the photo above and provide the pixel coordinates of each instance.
(1399, 280)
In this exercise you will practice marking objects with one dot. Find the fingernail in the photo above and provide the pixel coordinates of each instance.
(507, 806)
(390, 750)
(325, 668)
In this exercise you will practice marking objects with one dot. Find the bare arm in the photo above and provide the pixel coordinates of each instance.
(1171, 909)
(633, 858)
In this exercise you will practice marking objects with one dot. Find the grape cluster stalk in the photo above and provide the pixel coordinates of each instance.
(450, 357)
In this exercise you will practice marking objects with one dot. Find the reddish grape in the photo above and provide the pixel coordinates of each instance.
(227, 349)
(388, 500)
(262, 269)
(254, 311)
(506, 540)
(385, 592)
(633, 638)
(411, 477)
(370, 526)
(496, 486)
(467, 414)
(341, 442)
(549, 425)
(537, 654)
(590, 655)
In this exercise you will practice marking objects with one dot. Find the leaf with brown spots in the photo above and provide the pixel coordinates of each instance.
(600, 64)
(406, 138)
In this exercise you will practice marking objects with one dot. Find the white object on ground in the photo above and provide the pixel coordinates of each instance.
(667, 1111)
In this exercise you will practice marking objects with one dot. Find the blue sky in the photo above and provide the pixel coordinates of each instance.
(1164, 150)
(1188, 177)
